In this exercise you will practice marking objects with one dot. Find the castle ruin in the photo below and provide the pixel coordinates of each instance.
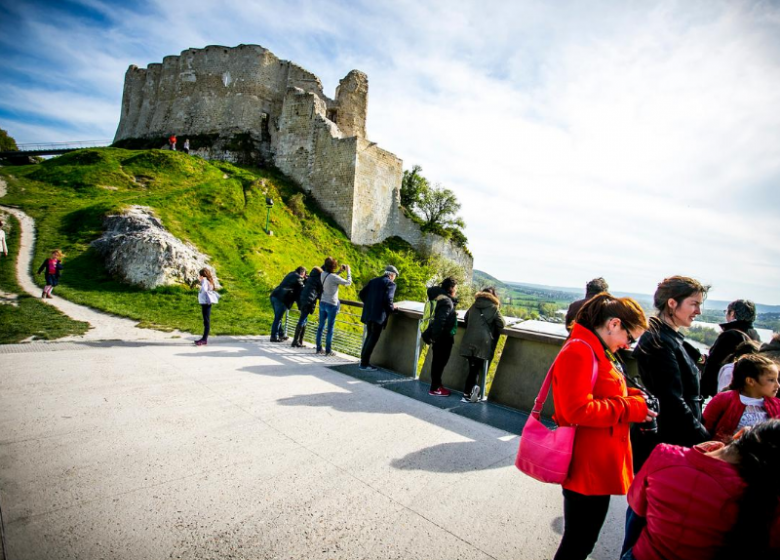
(244, 101)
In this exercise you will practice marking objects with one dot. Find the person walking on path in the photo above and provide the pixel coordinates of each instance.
(282, 299)
(483, 327)
(377, 297)
(668, 368)
(187, 146)
(751, 400)
(51, 268)
(172, 142)
(602, 409)
(329, 302)
(440, 334)
(307, 302)
(710, 501)
(207, 296)
(738, 328)
(3, 244)
(595, 286)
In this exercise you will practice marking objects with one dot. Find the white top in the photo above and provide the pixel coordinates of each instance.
(754, 412)
(206, 295)
(330, 286)
(3, 246)
(725, 375)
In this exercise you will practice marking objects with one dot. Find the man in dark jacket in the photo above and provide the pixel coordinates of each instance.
(738, 328)
(592, 288)
(377, 297)
(440, 334)
(282, 298)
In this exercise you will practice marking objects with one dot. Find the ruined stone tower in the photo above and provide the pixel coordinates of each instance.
(244, 102)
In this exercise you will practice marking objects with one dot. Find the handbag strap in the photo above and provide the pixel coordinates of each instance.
(543, 392)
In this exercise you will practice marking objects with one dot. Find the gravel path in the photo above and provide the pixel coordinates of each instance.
(103, 326)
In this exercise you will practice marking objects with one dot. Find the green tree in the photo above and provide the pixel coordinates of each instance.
(439, 207)
(7, 143)
(413, 185)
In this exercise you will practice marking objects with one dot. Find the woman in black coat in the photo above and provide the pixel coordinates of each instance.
(669, 368)
(307, 303)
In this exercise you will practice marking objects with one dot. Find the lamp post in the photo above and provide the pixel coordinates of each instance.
(269, 203)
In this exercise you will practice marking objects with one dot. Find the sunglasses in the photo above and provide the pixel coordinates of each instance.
(631, 339)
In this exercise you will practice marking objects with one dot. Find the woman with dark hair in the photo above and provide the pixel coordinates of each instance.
(668, 367)
(710, 501)
(307, 302)
(589, 391)
(483, 327)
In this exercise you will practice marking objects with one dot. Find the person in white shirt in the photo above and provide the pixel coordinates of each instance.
(329, 302)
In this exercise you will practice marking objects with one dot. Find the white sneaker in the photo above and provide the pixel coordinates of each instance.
(474, 396)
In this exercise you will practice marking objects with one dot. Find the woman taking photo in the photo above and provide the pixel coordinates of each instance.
(602, 411)
(329, 300)
(667, 365)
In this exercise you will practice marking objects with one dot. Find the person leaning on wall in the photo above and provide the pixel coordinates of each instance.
(282, 299)
(592, 288)
(377, 297)
(440, 334)
(484, 323)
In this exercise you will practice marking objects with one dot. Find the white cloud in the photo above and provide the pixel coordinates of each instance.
(633, 141)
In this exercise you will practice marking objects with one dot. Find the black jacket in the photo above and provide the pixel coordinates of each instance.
(288, 291)
(667, 365)
(734, 333)
(444, 318)
(377, 297)
(311, 292)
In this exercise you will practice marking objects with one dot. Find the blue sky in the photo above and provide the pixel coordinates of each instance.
(627, 139)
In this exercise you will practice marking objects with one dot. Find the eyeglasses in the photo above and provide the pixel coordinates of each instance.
(631, 339)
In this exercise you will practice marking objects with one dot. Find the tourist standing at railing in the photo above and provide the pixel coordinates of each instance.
(602, 408)
(307, 302)
(669, 370)
(186, 145)
(440, 334)
(377, 297)
(483, 327)
(282, 299)
(738, 328)
(329, 302)
(592, 288)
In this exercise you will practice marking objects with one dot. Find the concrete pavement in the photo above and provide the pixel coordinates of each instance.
(246, 449)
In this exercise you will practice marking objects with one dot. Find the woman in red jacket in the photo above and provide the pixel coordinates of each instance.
(601, 460)
(752, 398)
(710, 501)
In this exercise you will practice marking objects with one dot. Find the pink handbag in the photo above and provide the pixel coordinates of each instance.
(545, 454)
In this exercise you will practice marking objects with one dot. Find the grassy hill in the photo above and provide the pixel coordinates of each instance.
(218, 207)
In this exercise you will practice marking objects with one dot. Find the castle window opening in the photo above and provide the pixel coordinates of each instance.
(332, 115)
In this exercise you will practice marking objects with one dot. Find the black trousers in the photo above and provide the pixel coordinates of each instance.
(583, 517)
(441, 355)
(476, 366)
(373, 332)
(205, 309)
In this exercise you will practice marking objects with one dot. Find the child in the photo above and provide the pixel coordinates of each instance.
(752, 398)
(206, 297)
(51, 267)
(726, 373)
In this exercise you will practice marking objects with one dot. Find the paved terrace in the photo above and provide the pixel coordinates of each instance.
(246, 449)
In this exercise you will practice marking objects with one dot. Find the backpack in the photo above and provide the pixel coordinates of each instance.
(428, 312)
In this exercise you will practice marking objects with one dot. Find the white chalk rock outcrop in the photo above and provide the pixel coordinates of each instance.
(139, 250)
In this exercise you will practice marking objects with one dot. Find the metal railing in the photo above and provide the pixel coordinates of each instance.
(347, 333)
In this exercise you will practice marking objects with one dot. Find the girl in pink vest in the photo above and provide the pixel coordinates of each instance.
(51, 267)
(752, 398)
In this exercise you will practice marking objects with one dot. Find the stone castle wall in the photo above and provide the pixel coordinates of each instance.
(281, 108)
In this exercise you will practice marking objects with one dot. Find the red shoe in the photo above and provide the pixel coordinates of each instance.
(200, 343)
(440, 392)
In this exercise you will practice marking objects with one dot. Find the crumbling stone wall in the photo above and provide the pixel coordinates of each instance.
(278, 110)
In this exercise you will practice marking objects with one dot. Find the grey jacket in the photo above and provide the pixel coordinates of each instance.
(483, 327)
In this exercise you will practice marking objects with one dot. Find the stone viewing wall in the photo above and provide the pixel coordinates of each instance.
(251, 105)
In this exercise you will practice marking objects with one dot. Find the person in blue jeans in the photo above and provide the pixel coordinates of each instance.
(329, 302)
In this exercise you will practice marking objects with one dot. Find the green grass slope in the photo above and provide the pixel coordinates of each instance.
(25, 316)
(218, 207)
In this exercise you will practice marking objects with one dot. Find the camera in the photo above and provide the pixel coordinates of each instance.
(651, 426)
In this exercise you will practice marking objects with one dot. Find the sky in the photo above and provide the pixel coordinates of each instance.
(633, 140)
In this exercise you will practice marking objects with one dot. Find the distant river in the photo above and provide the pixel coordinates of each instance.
(765, 334)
